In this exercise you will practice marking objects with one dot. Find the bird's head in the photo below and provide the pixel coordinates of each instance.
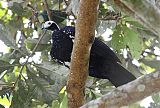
(50, 25)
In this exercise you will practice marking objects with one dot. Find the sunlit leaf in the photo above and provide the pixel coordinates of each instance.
(118, 39)
(7, 38)
(152, 63)
(64, 101)
(30, 44)
(48, 69)
(44, 90)
(16, 8)
(4, 66)
(103, 25)
(125, 37)
(5, 102)
(133, 41)
(55, 104)
(156, 97)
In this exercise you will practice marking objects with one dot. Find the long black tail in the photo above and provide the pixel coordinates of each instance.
(114, 72)
(119, 75)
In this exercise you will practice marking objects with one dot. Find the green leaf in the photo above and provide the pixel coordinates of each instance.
(2, 12)
(5, 102)
(123, 37)
(52, 69)
(133, 41)
(102, 26)
(156, 98)
(64, 101)
(118, 39)
(30, 44)
(135, 105)
(55, 73)
(152, 63)
(5, 90)
(21, 98)
(146, 34)
(134, 23)
(17, 8)
(55, 104)
(44, 90)
(7, 38)
(4, 66)
(15, 24)
(134, 69)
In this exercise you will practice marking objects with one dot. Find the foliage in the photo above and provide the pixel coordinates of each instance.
(28, 76)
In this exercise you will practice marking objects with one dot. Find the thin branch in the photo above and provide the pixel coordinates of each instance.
(30, 6)
(132, 92)
(48, 10)
(33, 51)
(111, 16)
(59, 5)
(34, 16)
(23, 65)
(10, 65)
(69, 12)
(142, 10)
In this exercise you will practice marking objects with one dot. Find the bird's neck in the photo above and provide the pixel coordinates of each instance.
(54, 27)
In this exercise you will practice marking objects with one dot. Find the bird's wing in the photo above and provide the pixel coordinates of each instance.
(62, 44)
(69, 31)
(101, 49)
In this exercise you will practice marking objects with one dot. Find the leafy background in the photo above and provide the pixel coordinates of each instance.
(28, 76)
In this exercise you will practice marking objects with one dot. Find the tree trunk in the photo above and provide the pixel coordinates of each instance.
(84, 37)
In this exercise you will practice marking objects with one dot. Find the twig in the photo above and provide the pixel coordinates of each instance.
(111, 16)
(48, 10)
(59, 7)
(10, 65)
(34, 16)
(30, 6)
(22, 67)
(70, 11)
(4, 15)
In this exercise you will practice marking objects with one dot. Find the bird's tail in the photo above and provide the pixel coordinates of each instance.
(119, 75)
(114, 72)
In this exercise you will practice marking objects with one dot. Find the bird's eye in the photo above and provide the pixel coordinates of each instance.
(49, 23)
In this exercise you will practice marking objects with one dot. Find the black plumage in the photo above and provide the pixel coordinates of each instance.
(103, 62)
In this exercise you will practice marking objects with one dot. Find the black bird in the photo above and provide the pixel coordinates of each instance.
(103, 62)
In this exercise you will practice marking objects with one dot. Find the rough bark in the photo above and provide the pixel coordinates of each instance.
(85, 29)
(145, 12)
(129, 93)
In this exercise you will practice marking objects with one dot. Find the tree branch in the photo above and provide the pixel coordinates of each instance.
(73, 7)
(129, 93)
(142, 10)
(69, 10)
(84, 37)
